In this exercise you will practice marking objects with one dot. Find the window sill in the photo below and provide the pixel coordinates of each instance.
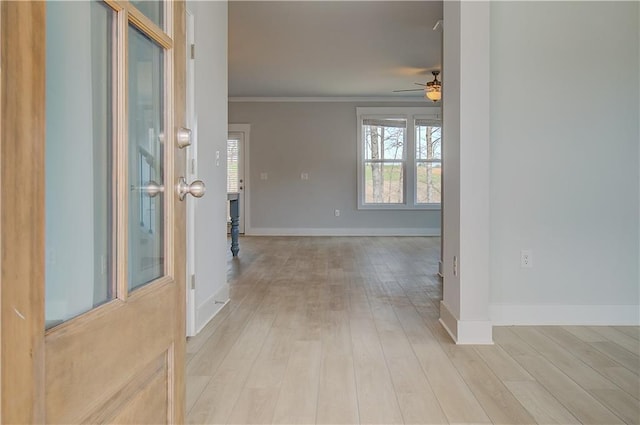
(400, 207)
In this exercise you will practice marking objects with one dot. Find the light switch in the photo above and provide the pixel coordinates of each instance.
(304, 176)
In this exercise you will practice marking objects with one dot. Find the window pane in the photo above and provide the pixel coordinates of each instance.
(384, 139)
(146, 160)
(152, 9)
(78, 159)
(384, 182)
(428, 141)
(429, 182)
(232, 166)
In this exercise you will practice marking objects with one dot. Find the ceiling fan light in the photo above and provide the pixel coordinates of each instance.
(433, 90)
(433, 94)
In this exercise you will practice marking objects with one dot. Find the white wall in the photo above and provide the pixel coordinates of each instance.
(211, 134)
(450, 305)
(465, 305)
(318, 138)
(565, 161)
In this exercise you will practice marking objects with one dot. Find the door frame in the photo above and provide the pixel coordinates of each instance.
(192, 172)
(245, 205)
(22, 238)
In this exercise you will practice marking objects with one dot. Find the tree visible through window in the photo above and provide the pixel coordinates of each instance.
(428, 162)
(384, 160)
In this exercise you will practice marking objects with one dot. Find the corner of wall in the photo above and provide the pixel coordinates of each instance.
(466, 332)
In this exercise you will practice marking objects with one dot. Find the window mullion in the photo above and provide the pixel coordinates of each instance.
(410, 163)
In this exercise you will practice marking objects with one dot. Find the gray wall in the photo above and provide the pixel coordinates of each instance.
(565, 161)
(318, 138)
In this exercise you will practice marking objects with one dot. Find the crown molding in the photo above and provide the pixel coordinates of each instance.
(336, 99)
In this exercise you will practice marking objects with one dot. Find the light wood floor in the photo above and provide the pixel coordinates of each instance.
(345, 331)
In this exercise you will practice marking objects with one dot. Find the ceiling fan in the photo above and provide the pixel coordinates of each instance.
(432, 90)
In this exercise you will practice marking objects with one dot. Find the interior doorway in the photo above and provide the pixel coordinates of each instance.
(237, 161)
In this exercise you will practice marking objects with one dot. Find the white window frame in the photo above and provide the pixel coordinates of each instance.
(410, 114)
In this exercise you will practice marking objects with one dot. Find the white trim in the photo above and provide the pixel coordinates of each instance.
(549, 314)
(190, 158)
(208, 309)
(354, 231)
(335, 99)
(476, 332)
(245, 129)
(403, 207)
(465, 332)
(448, 321)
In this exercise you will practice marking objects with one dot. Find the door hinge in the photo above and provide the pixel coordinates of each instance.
(193, 51)
(193, 281)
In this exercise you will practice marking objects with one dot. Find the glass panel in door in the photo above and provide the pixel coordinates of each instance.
(79, 159)
(152, 9)
(146, 160)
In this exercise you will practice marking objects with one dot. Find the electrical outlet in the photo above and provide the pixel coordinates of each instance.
(526, 259)
(263, 176)
(336, 213)
(455, 265)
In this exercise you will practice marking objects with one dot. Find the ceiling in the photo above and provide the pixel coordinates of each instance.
(332, 48)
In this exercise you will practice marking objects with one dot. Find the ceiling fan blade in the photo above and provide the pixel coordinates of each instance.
(420, 84)
(398, 91)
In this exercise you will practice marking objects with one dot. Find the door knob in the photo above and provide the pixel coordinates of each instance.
(195, 189)
(152, 189)
(183, 137)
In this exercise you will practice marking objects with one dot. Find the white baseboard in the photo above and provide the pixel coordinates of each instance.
(477, 332)
(464, 332)
(592, 315)
(448, 321)
(209, 308)
(348, 231)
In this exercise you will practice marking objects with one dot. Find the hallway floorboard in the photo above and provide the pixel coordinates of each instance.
(344, 330)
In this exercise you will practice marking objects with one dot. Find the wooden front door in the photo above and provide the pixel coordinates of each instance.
(93, 230)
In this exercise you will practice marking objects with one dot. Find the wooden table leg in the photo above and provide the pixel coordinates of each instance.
(235, 230)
